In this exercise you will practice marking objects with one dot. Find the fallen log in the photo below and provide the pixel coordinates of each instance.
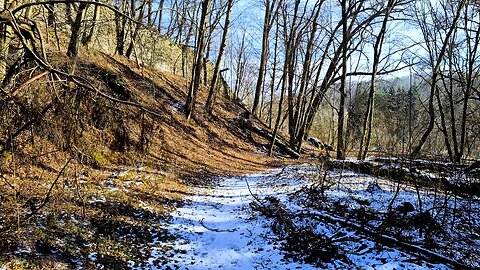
(283, 147)
(414, 173)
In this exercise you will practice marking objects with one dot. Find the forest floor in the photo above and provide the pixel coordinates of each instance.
(106, 186)
(90, 185)
(304, 217)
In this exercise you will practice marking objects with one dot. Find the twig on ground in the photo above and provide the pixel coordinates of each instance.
(8, 183)
(47, 197)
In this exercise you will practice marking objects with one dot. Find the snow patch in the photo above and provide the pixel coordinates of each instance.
(217, 228)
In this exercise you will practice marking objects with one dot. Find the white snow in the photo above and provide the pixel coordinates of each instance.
(177, 105)
(217, 229)
(92, 256)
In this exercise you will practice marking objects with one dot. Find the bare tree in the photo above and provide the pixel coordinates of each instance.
(282, 94)
(120, 29)
(72, 50)
(216, 72)
(136, 26)
(343, 83)
(92, 27)
(456, 82)
(195, 84)
(436, 57)
(377, 51)
(300, 109)
(271, 8)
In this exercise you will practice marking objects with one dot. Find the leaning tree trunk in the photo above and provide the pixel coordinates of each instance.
(135, 31)
(306, 76)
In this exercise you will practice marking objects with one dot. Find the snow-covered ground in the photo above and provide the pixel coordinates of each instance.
(217, 229)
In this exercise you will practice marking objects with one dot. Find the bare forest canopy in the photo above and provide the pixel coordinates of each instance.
(397, 76)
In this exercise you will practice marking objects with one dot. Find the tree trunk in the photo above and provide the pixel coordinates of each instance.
(343, 86)
(72, 50)
(195, 84)
(269, 8)
(6, 35)
(120, 23)
(298, 119)
(135, 32)
(472, 56)
(150, 18)
(239, 69)
(290, 67)
(50, 15)
(279, 115)
(223, 44)
(433, 87)
(160, 15)
(377, 51)
(88, 36)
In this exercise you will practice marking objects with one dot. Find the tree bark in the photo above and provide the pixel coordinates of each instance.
(269, 9)
(435, 75)
(72, 50)
(223, 43)
(195, 84)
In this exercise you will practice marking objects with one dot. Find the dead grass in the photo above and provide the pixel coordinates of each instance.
(127, 169)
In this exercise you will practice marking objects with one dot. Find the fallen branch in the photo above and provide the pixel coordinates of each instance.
(251, 193)
(30, 81)
(426, 254)
(47, 196)
(385, 239)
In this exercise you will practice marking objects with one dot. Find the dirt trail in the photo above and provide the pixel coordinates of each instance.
(216, 229)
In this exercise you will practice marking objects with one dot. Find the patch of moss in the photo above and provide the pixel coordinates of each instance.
(6, 155)
(99, 158)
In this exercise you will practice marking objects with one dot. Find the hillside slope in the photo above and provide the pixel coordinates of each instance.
(83, 175)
